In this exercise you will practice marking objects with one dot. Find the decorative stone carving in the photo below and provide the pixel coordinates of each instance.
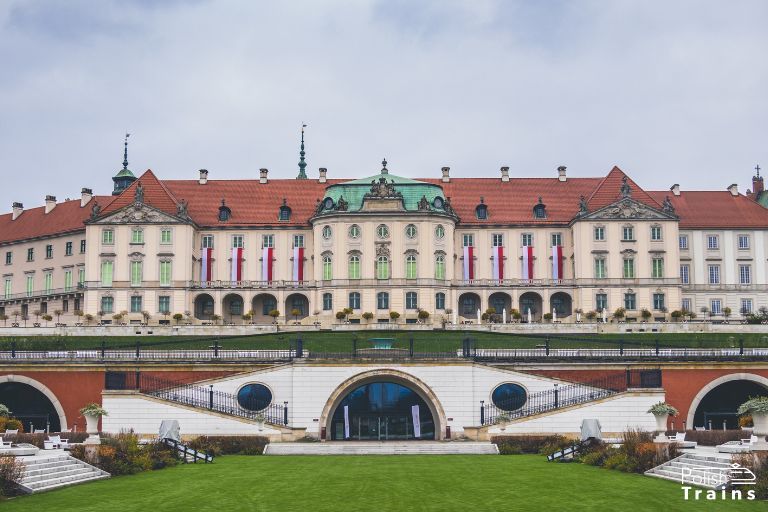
(139, 213)
(382, 189)
(423, 204)
(95, 210)
(181, 209)
(382, 249)
(139, 193)
(667, 206)
(626, 190)
(628, 208)
(583, 208)
(342, 205)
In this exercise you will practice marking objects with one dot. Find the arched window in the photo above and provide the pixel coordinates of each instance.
(540, 210)
(410, 231)
(285, 211)
(354, 300)
(327, 268)
(382, 267)
(327, 302)
(382, 231)
(440, 266)
(327, 232)
(411, 300)
(354, 231)
(353, 271)
(382, 300)
(410, 266)
(481, 210)
(439, 300)
(224, 212)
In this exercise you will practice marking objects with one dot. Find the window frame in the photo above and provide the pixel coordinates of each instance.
(382, 300)
(601, 231)
(411, 300)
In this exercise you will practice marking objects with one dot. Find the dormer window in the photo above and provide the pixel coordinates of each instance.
(540, 210)
(481, 210)
(285, 211)
(224, 212)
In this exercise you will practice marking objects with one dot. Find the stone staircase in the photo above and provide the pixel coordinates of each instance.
(383, 448)
(709, 471)
(46, 472)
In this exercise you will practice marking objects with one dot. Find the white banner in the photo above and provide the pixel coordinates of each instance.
(416, 421)
(346, 422)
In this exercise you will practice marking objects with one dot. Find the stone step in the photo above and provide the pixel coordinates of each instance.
(699, 465)
(47, 466)
(71, 471)
(58, 481)
(376, 448)
(44, 473)
(65, 484)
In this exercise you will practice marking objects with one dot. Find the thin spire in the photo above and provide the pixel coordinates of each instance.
(757, 169)
(125, 152)
(302, 164)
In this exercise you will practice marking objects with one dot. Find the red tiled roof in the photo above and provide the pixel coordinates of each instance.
(715, 209)
(155, 194)
(66, 217)
(609, 190)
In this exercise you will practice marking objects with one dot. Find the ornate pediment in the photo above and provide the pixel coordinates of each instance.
(139, 213)
(627, 208)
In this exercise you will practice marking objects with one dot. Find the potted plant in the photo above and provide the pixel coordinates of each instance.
(619, 314)
(646, 314)
(676, 315)
(92, 412)
(259, 418)
(367, 316)
(47, 318)
(58, 314)
(547, 317)
(394, 315)
(727, 313)
(4, 318)
(295, 312)
(146, 315)
(178, 317)
(757, 407)
(662, 411)
(591, 315)
(423, 315)
(341, 315)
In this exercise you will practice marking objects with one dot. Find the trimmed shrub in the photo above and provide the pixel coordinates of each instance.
(516, 445)
(620, 461)
(11, 471)
(11, 424)
(230, 445)
(715, 437)
(758, 464)
(122, 454)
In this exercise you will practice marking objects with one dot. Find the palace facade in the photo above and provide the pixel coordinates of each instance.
(305, 249)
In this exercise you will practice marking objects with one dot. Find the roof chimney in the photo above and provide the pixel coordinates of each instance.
(675, 189)
(561, 173)
(86, 195)
(446, 175)
(203, 179)
(18, 209)
(505, 174)
(734, 189)
(323, 175)
(263, 175)
(50, 204)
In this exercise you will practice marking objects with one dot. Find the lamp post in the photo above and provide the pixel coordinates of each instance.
(285, 413)
(482, 412)
(556, 395)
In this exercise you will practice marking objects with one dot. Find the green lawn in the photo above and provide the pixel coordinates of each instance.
(425, 341)
(380, 483)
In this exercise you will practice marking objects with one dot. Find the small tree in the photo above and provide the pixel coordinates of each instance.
(37, 315)
(188, 315)
(727, 312)
(645, 314)
(247, 316)
(423, 314)
(178, 317)
(100, 314)
(16, 316)
(676, 315)
(88, 319)
(215, 318)
(341, 315)
(25, 318)
(146, 315)
(79, 313)
(704, 310)
(4, 318)
(394, 315)
(47, 319)
(166, 314)
(367, 315)
(348, 311)
(274, 314)
(619, 313)
(58, 314)
(117, 317)
(591, 315)
(251, 315)
(547, 316)
(295, 312)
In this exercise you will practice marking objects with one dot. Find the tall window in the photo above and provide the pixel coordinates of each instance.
(107, 268)
(599, 268)
(628, 233)
(48, 251)
(685, 305)
(237, 242)
(327, 302)
(557, 239)
(382, 300)
(599, 233)
(48, 282)
(267, 241)
(31, 254)
(716, 306)
(683, 240)
(658, 301)
(440, 266)
(136, 273)
(327, 268)
(80, 276)
(713, 242)
(353, 270)
(354, 300)
(411, 301)
(136, 304)
(82, 246)
(68, 249)
(601, 301)
(657, 268)
(743, 242)
(382, 267)
(165, 273)
(685, 274)
(8, 258)
(30, 284)
(107, 305)
(714, 274)
(7, 289)
(655, 233)
(67, 280)
(629, 268)
(497, 239)
(745, 274)
(268, 304)
(410, 266)
(630, 301)
(439, 300)
(137, 236)
(165, 236)
(164, 304)
(108, 237)
(526, 239)
(298, 240)
(746, 306)
(207, 241)
(468, 240)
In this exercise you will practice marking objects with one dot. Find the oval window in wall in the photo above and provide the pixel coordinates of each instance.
(254, 397)
(509, 396)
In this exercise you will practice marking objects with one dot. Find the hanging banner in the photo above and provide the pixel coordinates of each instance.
(298, 263)
(557, 262)
(416, 421)
(469, 263)
(527, 262)
(498, 262)
(346, 422)
(206, 269)
(237, 264)
(266, 264)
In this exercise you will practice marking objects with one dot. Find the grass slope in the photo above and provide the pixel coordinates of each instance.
(381, 483)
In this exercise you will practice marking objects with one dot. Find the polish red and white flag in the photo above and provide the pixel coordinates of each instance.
(298, 263)
(527, 262)
(237, 264)
(498, 262)
(469, 263)
(267, 264)
(206, 264)
(557, 262)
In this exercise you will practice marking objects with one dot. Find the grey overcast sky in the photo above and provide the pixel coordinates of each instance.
(670, 91)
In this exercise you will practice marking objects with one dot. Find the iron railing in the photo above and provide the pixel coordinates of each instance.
(568, 395)
(198, 396)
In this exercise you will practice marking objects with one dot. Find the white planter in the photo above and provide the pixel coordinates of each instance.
(760, 420)
(92, 423)
(661, 422)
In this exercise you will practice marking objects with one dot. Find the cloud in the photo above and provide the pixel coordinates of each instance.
(670, 92)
